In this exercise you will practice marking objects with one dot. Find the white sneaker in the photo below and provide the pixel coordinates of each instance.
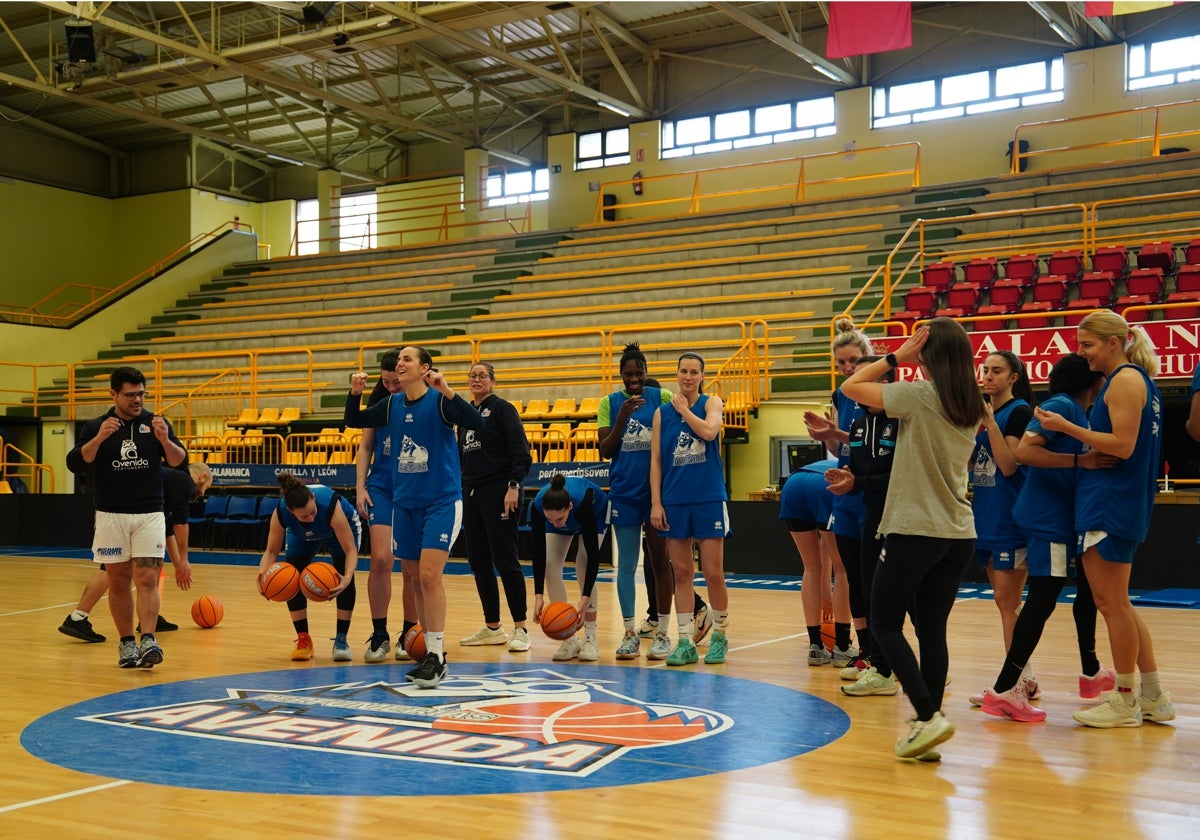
(703, 623)
(660, 648)
(1157, 711)
(871, 682)
(1111, 712)
(519, 641)
(485, 636)
(568, 650)
(647, 629)
(924, 735)
(588, 652)
(630, 647)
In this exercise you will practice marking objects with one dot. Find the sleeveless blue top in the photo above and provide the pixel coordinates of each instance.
(629, 475)
(691, 466)
(994, 493)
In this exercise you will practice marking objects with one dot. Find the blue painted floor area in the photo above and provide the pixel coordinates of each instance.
(1183, 598)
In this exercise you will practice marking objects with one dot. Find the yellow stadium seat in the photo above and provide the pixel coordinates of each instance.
(563, 408)
(586, 433)
(589, 407)
(5, 487)
(316, 457)
(268, 417)
(248, 415)
(289, 415)
(590, 454)
(518, 405)
(536, 410)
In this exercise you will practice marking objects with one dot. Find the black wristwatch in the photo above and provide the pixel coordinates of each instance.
(890, 358)
(514, 485)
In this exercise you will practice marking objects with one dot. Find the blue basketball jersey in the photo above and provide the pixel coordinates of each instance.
(577, 489)
(1120, 500)
(849, 510)
(995, 494)
(425, 451)
(805, 495)
(691, 466)
(629, 475)
(321, 528)
(383, 462)
(1045, 506)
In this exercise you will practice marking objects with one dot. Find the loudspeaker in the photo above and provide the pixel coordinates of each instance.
(80, 44)
(610, 210)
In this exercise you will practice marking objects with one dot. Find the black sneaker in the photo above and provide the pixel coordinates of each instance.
(430, 672)
(81, 629)
(160, 626)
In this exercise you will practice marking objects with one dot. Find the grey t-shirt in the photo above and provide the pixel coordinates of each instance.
(928, 493)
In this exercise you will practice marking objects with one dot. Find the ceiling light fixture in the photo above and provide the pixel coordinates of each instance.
(614, 108)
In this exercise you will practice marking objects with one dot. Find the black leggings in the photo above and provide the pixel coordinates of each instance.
(492, 548)
(1040, 601)
(850, 550)
(923, 572)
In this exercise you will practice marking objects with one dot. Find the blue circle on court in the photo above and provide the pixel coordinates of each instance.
(488, 728)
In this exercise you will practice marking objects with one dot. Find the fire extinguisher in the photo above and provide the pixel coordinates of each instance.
(637, 182)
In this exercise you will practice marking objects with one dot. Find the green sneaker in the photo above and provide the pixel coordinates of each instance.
(717, 648)
(684, 653)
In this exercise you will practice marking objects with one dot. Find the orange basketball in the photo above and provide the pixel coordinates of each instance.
(560, 620)
(414, 642)
(828, 635)
(280, 582)
(207, 611)
(318, 580)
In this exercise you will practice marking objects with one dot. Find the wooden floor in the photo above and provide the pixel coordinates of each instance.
(997, 779)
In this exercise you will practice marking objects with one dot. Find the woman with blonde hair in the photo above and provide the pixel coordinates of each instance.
(1113, 507)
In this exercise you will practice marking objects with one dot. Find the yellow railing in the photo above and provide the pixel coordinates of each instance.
(775, 183)
(16, 463)
(1115, 123)
(70, 304)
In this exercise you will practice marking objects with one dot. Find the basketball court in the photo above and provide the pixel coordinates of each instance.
(228, 738)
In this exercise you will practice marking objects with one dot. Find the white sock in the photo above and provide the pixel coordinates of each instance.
(589, 631)
(686, 631)
(78, 615)
(629, 623)
(435, 642)
(721, 619)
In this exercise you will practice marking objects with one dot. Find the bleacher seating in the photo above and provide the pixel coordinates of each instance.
(1147, 282)
(1112, 258)
(939, 275)
(1159, 255)
(1191, 253)
(536, 410)
(588, 408)
(1187, 289)
(1051, 289)
(981, 271)
(1099, 286)
(963, 297)
(1067, 263)
(562, 409)
(1044, 307)
(1024, 267)
(1008, 293)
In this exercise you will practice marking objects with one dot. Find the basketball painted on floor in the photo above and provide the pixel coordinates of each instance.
(486, 729)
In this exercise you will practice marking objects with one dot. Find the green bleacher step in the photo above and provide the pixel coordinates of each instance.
(28, 411)
(244, 269)
(901, 259)
(222, 285)
(497, 276)
(950, 195)
(932, 233)
(198, 300)
(463, 314)
(801, 383)
(520, 257)
(544, 241)
(88, 372)
(478, 294)
(174, 318)
(333, 400)
(148, 335)
(936, 213)
(122, 352)
(865, 304)
(433, 334)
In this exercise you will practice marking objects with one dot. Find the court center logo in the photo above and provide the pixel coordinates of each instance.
(486, 729)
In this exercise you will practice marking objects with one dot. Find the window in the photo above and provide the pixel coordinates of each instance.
(967, 94)
(516, 187)
(308, 229)
(602, 148)
(357, 224)
(1163, 63)
(781, 123)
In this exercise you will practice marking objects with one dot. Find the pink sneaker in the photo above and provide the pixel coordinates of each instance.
(1011, 704)
(1092, 687)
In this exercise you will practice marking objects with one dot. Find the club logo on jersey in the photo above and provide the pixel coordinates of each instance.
(470, 442)
(387, 446)
(486, 728)
(637, 436)
(413, 458)
(689, 449)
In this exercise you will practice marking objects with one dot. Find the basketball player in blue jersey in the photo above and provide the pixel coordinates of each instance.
(564, 508)
(687, 502)
(305, 520)
(1045, 509)
(997, 480)
(374, 466)
(625, 419)
(1113, 507)
(846, 518)
(804, 505)
(426, 487)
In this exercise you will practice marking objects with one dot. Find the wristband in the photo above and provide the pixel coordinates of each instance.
(890, 358)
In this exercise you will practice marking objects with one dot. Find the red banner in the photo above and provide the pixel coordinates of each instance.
(861, 28)
(1177, 344)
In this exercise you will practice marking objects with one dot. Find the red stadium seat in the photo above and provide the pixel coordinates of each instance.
(1025, 267)
(939, 275)
(982, 271)
(1114, 258)
(1098, 285)
(1069, 264)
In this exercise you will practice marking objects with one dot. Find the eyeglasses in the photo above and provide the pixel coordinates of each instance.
(133, 395)
(478, 376)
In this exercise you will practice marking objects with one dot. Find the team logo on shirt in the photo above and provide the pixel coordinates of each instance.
(387, 446)
(689, 449)
(488, 728)
(129, 457)
(470, 442)
(413, 457)
(637, 436)
(985, 469)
